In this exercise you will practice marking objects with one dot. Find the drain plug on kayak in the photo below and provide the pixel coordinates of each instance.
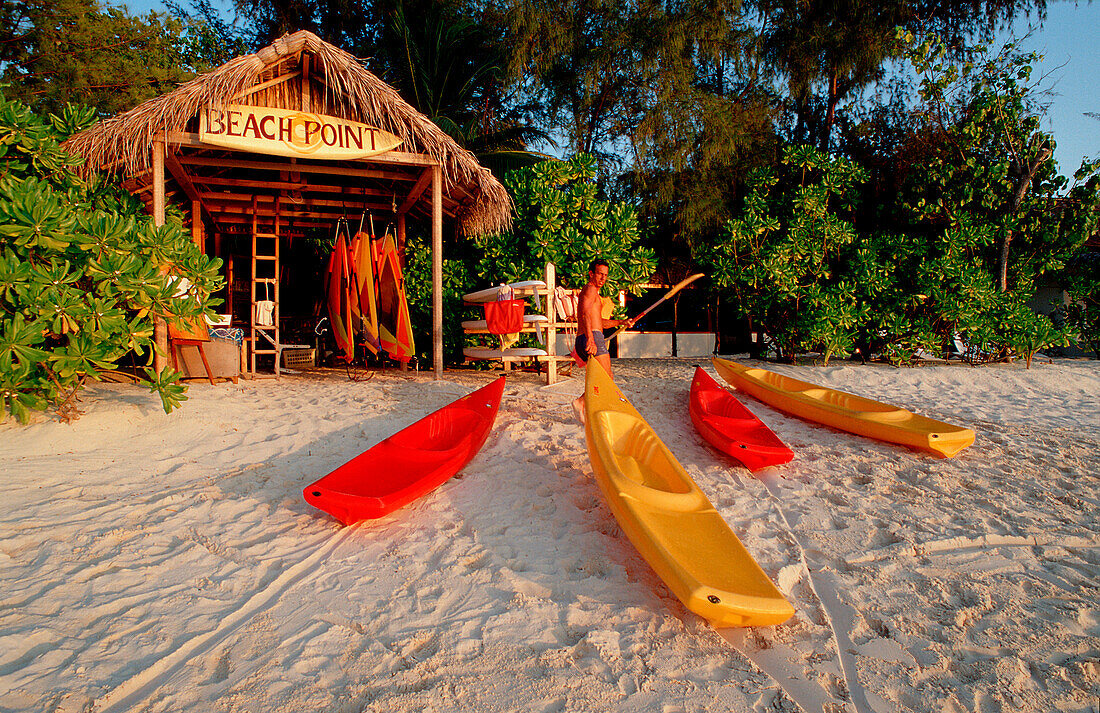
(713, 599)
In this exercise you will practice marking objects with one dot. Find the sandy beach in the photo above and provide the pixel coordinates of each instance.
(153, 562)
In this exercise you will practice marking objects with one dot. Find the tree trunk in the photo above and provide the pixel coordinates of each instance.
(675, 319)
(830, 112)
(1017, 200)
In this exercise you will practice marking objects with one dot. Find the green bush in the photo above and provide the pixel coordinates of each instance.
(458, 279)
(781, 257)
(80, 271)
(1082, 314)
(969, 225)
(559, 217)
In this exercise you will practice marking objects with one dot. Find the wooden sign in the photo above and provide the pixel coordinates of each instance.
(288, 132)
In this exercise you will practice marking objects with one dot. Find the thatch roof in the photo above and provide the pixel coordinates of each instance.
(339, 85)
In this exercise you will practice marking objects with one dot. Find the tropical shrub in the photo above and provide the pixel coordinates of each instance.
(1082, 314)
(81, 271)
(781, 257)
(952, 239)
(985, 194)
(559, 217)
(458, 279)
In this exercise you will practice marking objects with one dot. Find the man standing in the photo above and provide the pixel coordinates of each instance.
(590, 324)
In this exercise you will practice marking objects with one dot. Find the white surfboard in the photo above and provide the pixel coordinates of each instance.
(480, 325)
(519, 289)
(514, 353)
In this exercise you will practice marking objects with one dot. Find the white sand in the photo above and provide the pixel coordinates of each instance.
(169, 563)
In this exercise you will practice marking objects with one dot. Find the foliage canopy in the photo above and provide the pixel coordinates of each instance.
(80, 271)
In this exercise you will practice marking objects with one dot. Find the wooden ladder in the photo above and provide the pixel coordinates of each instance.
(265, 272)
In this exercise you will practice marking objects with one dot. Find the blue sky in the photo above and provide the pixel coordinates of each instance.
(1071, 71)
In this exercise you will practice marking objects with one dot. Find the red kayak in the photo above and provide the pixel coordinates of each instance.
(411, 462)
(731, 428)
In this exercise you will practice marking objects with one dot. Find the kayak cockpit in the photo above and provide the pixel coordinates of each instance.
(639, 465)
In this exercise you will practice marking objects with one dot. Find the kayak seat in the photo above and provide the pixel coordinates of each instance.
(730, 424)
(642, 468)
(891, 416)
(717, 405)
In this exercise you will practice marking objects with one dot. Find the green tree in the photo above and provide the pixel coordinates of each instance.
(827, 47)
(81, 278)
(560, 217)
(353, 25)
(782, 256)
(56, 51)
(987, 182)
(826, 51)
(208, 40)
(702, 119)
(989, 158)
(601, 69)
(1082, 314)
(458, 279)
(580, 54)
(450, 65)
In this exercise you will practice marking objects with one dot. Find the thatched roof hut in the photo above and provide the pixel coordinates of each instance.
(285, 142)
(299, 71)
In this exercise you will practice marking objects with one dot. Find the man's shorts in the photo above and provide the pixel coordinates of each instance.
(582, 344)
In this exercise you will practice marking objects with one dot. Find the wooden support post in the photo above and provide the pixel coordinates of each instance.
(551, 325)
(197, 232)
(160, 328)
(437, 270)
(228, 258)
(401, 235)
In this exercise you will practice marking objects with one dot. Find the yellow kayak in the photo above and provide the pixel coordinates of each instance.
(669, 519)
(847, 412)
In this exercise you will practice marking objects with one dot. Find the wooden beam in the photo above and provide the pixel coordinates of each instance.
(249, 183)
(390, 158)
(290, 186)
(245, 219)
(158, 183)
(160, 329)
(179, 173)
(265, 85)
(197, 225)
(400, 158)
(330, 170)
(267, 209)
(349, 200)
(425, 213)
(417, 190)
(150, 200)
(180, 176)
(332, 213)
(305, 83)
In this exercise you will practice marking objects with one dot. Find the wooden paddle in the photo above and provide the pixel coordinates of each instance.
(675, 288)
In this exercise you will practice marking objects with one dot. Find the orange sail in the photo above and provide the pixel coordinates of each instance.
(364, 303)
(338, 280)
(394, 326)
